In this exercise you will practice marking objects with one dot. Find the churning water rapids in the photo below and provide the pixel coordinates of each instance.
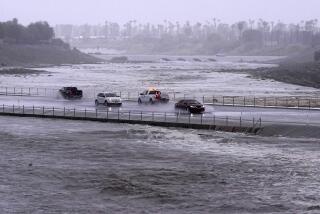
(87, 167)
(187, 77)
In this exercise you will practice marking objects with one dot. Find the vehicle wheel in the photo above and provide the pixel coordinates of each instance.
(96, 102)
(139, 101)
(106, 103)
(151, 101)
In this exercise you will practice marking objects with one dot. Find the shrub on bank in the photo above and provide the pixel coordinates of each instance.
(317, 56)
(35, 33)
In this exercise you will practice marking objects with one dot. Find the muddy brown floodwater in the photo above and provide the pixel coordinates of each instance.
(56, 166)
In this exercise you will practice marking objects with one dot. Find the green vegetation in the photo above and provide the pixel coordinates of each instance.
(35, 45)
(317, 56)
(34, 33)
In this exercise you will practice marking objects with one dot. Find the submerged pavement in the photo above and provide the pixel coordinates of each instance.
(269, 116)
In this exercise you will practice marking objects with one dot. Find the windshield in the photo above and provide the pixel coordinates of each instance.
(70, 88)
(153, 92)
(111, 95)
(192, 102)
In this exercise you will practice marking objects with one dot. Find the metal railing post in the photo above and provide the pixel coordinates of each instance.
(13, 108)
(74, 112)
(152, 116)
(253, 123)
(189, 118)
(309, 103)
(23, 109)
(2, 107)
(129, 115)
(165, 117)
(260, 123)
(201, 117)
(227, 120)
(64, 111)
(53, 111)
(33, 109)
(118, 114)
(42, 110)
(240, 122)
(141, 116)
(85, 113)
(96, 113)
(6, 91)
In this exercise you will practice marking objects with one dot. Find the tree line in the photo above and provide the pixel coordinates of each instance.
(260, 32)
(35, 33)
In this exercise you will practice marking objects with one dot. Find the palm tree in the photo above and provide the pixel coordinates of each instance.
(241, 25)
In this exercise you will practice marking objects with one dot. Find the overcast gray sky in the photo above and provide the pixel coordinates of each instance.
(155, 11)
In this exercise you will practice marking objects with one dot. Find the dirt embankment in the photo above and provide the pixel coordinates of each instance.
(298, 68)
(20, 71)
(305, 74)
(44, 54)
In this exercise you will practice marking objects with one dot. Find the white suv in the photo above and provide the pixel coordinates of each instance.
(108, 99)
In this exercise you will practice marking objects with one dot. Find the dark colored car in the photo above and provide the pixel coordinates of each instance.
(192, 106)
(71, 93)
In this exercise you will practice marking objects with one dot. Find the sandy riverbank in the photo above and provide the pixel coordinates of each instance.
(20, 71)
(303, 74)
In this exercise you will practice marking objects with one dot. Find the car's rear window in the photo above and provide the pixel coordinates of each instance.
(111, 95)
(191, 102)
(152, 92)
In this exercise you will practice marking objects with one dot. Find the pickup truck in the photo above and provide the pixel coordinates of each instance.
(71, 93)
(153, 96)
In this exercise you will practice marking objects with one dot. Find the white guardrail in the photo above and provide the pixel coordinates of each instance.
(160, 117)
(299, 102)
